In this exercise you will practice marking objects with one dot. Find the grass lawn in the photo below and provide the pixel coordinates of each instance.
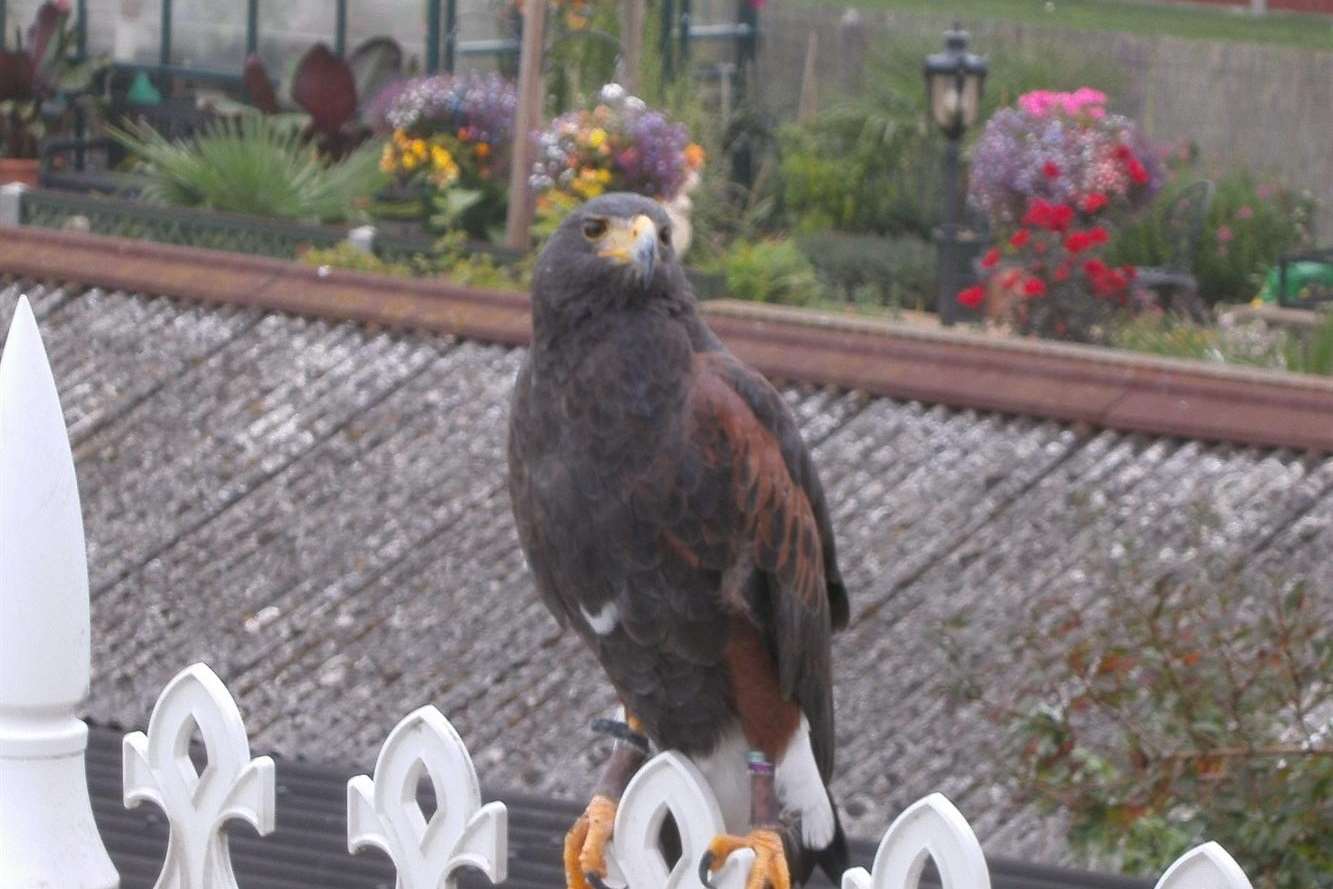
(1197, 22)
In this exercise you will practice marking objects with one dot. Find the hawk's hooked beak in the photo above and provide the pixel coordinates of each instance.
(632, 241)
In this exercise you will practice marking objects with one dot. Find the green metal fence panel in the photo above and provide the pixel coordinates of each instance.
(175, 225)
(340, 28)
(432, 36)
(251, 27)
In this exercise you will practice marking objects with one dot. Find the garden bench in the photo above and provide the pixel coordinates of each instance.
(1174, 283)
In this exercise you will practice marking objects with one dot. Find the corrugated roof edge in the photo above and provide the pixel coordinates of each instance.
(1098, 387)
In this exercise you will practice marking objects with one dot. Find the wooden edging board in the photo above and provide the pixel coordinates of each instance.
(1098, 387)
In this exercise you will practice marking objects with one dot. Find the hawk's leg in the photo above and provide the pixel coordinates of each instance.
(585, 844)
(765, 837)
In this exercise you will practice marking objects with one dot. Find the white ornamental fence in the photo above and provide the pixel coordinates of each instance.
(48, 837)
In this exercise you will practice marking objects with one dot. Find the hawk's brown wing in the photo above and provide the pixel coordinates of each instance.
(749, 445)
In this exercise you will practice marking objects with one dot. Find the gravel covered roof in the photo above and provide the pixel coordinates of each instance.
(317, 510)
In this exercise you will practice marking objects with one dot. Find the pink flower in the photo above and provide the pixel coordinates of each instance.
(1246, 212)
(1224, 234)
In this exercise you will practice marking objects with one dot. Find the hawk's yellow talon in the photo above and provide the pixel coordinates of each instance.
(585, 844)
(770, 859)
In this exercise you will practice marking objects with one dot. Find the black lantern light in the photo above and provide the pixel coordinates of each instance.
(954, 80)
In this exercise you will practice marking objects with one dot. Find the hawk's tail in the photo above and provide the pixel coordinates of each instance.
(833, 859)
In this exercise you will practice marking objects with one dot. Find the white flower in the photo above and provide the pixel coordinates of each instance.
(613, 92)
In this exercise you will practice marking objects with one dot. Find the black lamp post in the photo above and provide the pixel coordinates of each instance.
(954, 80)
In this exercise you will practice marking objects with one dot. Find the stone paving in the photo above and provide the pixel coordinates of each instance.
(318, 511)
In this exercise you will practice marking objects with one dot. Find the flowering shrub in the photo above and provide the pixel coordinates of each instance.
(1056, 281)
(450, 139)
(618, 145)
(1063, 148)
(1250, 224)
(1052, 172)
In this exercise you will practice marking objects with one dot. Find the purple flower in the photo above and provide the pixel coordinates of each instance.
(643, 150)
(1059, 131)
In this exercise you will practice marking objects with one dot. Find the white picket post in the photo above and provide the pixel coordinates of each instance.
(158, 769)
(1205, 867)
(669, 784)
(384, 812)
(929, 828)
(47, 833)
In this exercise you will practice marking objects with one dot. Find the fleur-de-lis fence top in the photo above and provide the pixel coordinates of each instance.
(1205, 867)
(384, 812)
(929, 828)
(158, 768)
(669, 784)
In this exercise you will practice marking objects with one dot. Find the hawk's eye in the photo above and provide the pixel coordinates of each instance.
(594, 229)
(665, 236)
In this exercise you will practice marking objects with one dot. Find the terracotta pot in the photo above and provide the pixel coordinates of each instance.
(19, 169)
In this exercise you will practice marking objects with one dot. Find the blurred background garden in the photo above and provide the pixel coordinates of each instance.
(794, 141)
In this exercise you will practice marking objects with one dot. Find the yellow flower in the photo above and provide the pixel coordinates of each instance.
(410, 162)
(418, 149)
(388, 159)
(597, 138)
(444, 166)
(590, 183)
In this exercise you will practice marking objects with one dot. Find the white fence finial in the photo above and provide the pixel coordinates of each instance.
(47, 833)
(1205, 867)
(198, 803)
(384, 812)
(669, 784)
(929, 828)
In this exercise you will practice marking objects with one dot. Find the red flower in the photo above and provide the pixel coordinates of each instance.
(1122, 152)
(991, 259)
(1039, 213)
(1051, 170)
(1034, 287)
(1020, 238)
(1055, 217)
(1095, 269)
(1077, 242)
(1094, 201)
(1129, 272)
(1098, 236)
(1061, 216)
(1138, 172)
(972, 297)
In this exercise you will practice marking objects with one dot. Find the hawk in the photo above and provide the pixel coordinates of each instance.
(672, 516)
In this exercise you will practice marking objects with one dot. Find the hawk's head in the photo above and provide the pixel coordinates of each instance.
(613, 250)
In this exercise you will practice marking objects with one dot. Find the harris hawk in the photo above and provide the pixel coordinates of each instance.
(671, 515)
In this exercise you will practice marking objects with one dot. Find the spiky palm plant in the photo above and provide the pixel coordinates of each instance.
(254, 164)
